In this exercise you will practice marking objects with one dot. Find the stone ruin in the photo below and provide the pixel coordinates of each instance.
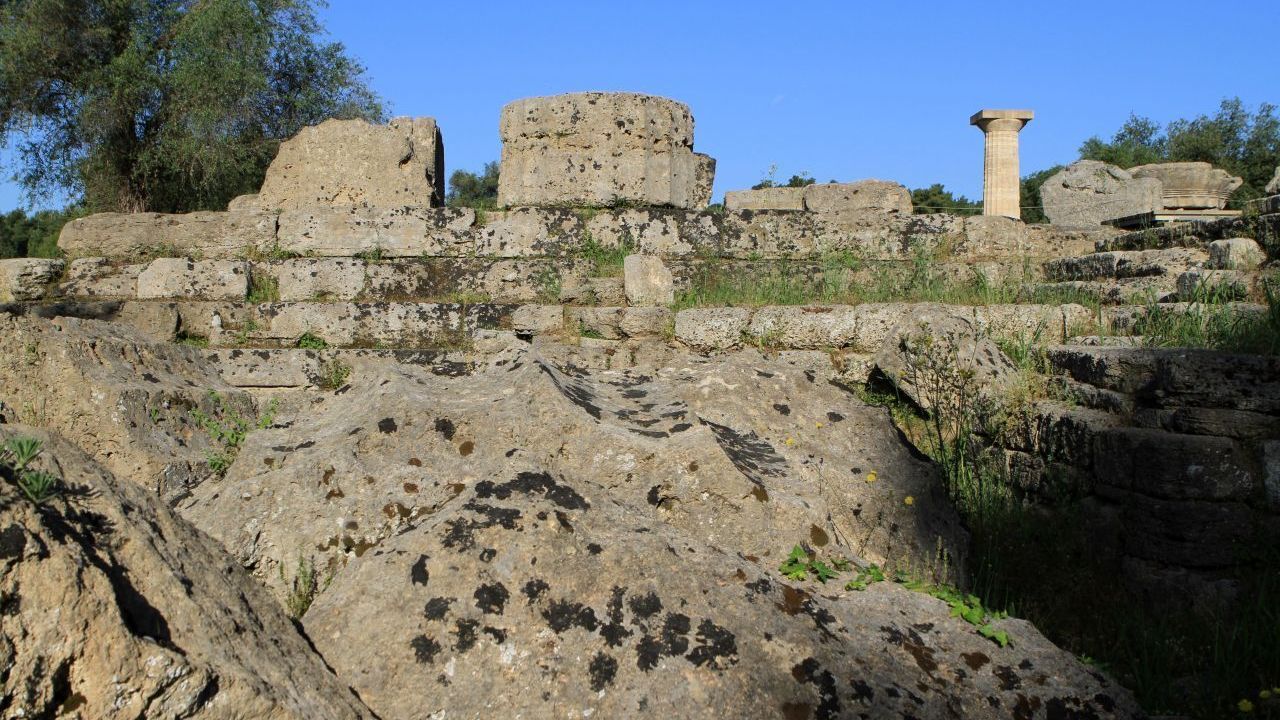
(531, 484)
(1089, 192)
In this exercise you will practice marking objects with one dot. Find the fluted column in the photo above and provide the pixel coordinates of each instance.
(1000, 191)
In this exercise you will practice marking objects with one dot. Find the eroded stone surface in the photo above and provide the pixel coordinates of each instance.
(27, 278)
(200, 279)
(861, 196)
(647, 281)
(199, 234)
(1087, 192)
(601, 149)
(116, 607)
(347, 163)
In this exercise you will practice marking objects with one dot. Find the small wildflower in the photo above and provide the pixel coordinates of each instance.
(1265, 695)
(1244, 706)
(817, 425)
(871, 476)
(789, 441)
(908, 500)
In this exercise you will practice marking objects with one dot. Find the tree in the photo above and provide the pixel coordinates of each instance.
(467, 189)
(1242, 142)
(1032, 208)
(23, 235)
(937, 199)
(164, 105)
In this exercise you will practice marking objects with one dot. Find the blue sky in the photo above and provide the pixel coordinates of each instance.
(843, 90)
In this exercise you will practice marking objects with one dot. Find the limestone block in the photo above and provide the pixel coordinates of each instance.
(783, 198)
(100, 278)
(353, 162)
(538, 319)
(1190, 185)
(318, 278)
(875, 195)
(1235, 254)
(712, 328)
(805, 327)
(1087, 192)
(1273, 187)
(607, 291)
(600, 149)
(645, 321)
(598, 322)
(241, 203)
(525, 231)
(988, 235)
(199, 234)
(199, 279)
(25, 279)
(344, 231)
(924, 338)
(647, 281)
(1217, 285)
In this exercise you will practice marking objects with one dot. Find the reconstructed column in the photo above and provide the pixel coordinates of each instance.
(1000, 194)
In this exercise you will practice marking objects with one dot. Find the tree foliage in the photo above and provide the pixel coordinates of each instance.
(1242, 142)
(468, 189)
(23, 235)
(1032, 208)
(164, 105)
(938, 199)
(799, 180)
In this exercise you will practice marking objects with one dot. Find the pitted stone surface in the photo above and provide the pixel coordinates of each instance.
(27, 278)
(635, 563)
(861, 196)
(1087, 192)
(117, 607)
(783, 198)
(1235, 254)
(1190, 185)
(129, 236)
(348, 163)
(709, 329)
(119, 395)
(601, 149)
(647, 281)
(99, 278)
(168, 278)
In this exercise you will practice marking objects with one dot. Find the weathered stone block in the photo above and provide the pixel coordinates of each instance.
(925, 339)
(647, 281)
(1217, 285)
(864, 195)
(1174, 466)
(1190, 185)
(783, 198)
(353, 162)
(599, 149)
(200, 234)
(538, 319)
(1087, 192)
(318, 278)
(1235, 254)
(99, 278)
(712, 328)
(199, 279)
(335, 231)
(645, 321)
(25, 279)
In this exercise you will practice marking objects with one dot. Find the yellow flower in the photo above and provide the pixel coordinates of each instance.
(789, 441)
(817, 424)
(1244, 706)
(908, 500)
(871, 476)
(1265, 695)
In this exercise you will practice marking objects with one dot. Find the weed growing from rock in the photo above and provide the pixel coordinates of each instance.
(16, 456)
(227, 429)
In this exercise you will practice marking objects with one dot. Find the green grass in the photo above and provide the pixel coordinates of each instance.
(1210, 322)
(263, 288)
(606, 260)
(1047, 565)
(845, 279)
(311, 341)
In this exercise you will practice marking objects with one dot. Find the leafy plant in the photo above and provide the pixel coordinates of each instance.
(301, 591)
(263, 288)
(227, 429)
(310, 341)
(866, 577)
(799, 564)
(16, 456)
(334, 375)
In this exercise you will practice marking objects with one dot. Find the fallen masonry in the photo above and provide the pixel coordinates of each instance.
(561, 456)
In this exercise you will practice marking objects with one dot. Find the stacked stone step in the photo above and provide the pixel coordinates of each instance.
(1174, 451)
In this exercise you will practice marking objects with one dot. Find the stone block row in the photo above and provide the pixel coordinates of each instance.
(862, 196)
(348, 231)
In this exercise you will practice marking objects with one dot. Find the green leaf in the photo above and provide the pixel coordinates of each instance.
(822, 572)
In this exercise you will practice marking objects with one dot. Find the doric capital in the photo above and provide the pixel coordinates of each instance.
(989, 120)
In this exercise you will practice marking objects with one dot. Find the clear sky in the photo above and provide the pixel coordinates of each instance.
(843, 90)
